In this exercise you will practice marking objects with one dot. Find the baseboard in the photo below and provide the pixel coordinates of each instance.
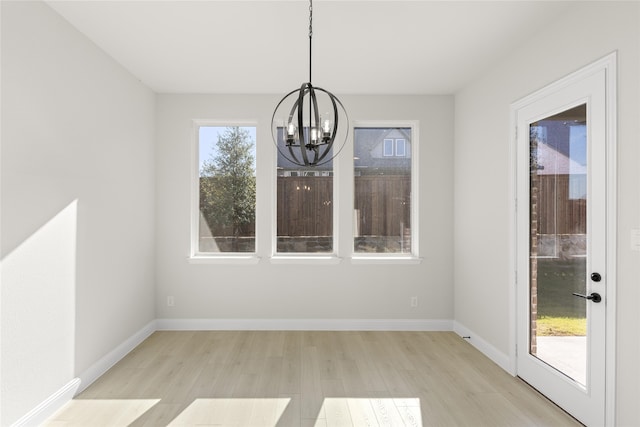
(103, 365)
(44, 410)
(498, 357)
(48, 407)
(305, 324)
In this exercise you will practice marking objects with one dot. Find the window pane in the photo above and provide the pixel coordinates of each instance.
(387, 149)
(400, 148)
(304, 206)
(558, 217)
(227, 184)
(382, 191)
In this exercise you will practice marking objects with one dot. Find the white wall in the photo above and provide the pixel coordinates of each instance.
(77, 205)
(482, 160)
(268, 291)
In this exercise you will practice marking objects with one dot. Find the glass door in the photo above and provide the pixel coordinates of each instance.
(561, 234)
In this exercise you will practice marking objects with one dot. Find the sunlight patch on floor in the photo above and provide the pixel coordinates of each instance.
(109, 412)
(370, 412)
(238, 411)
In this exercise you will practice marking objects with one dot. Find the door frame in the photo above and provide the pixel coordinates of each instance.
(609, 65)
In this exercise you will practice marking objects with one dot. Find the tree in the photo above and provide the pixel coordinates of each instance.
(228, 186)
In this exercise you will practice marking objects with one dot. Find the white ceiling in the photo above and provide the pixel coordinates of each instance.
(261, 46)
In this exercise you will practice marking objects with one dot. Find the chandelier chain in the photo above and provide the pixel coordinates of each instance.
(310, 18)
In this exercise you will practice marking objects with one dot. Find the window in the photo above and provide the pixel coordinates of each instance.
(304, 207)
(226, 190)
(400, 147)
(394, 147)
(387, 149)
(383, 190)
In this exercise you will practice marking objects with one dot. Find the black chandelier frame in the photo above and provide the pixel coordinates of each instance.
(308, 139)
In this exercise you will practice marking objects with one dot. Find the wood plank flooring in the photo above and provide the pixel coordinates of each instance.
(300, 378)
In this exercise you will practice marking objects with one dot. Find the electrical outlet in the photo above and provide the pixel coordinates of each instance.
(170, 301)
(414, 301)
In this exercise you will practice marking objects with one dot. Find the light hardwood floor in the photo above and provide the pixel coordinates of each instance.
(298, 378)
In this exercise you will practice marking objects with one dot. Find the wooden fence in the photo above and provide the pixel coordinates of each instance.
(305, 205)
(557, 212)
(383, 205)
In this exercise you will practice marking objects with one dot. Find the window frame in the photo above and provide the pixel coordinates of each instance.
(305, 258)
(195, 256)
(412, 257)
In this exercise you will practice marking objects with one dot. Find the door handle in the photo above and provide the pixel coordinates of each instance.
(595, 297)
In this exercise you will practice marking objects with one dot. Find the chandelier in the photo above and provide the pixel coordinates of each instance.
(302, 134)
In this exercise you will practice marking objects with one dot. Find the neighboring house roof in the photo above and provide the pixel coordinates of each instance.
(553, 162)
(368, 157)
(561, 148)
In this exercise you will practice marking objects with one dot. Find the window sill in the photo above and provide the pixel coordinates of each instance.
(224, 259)
(305, 259)
(386, 260)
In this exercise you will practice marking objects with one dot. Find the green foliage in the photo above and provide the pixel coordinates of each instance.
(562, 326)
(228, 185)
